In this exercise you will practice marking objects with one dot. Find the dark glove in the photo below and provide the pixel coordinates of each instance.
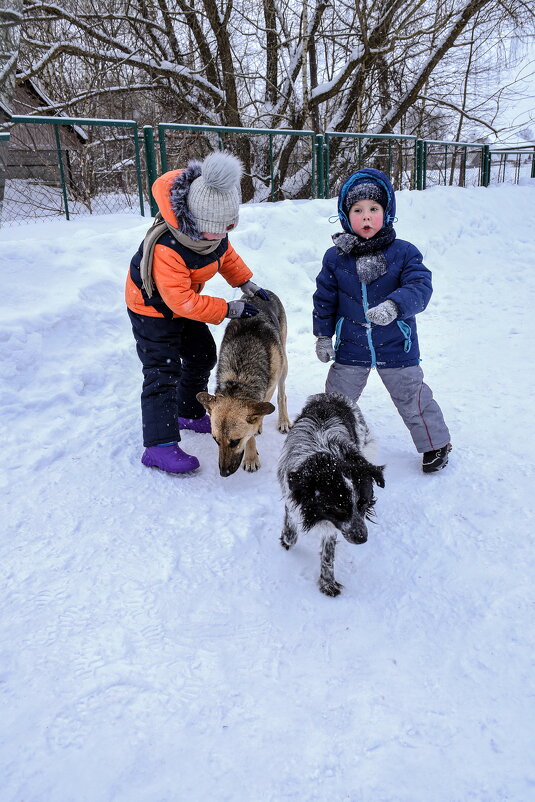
(383, 313)
(241, 309)
(250, 289)
(324, 349)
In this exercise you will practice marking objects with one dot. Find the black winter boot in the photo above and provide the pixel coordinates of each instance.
(436, 460)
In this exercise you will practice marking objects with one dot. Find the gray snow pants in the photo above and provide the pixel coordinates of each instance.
(412, 397)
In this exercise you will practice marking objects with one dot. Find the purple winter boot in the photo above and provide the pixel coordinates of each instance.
(169, 458)
(199, 425)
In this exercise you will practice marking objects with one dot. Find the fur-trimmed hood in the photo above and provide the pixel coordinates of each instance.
(171, 191)
(368, 174)
(178, 197)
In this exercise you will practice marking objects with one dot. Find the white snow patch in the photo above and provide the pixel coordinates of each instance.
(156, 641)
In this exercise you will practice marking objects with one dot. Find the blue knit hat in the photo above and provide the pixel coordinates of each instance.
(364, 189)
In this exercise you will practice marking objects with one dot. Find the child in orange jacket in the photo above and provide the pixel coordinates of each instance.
(186, 245)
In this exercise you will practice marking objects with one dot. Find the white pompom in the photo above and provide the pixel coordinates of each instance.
(221, 171)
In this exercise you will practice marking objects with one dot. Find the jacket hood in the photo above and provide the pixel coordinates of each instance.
(372, 175)
(170, 191)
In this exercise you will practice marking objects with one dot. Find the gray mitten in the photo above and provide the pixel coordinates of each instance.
(250, 289)
(241, 309)
(324, 349)
(383, 313)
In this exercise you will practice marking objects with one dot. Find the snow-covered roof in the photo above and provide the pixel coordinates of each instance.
(34, 85)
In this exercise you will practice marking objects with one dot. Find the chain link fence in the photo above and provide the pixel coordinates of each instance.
(278, 163)
(343, 153)
(58, 166)
(511, 165)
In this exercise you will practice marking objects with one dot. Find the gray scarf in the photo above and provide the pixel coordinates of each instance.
(370, 259)
(159, 227)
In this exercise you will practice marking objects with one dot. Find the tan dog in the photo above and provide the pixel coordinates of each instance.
(252, 364)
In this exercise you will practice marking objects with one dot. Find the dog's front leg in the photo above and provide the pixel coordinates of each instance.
(251, 461)
(284, 424)
(288, 536)
(327, 583)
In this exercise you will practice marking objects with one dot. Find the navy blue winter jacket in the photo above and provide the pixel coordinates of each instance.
(341, 299)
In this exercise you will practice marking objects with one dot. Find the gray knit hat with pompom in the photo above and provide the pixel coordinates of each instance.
(214, 197)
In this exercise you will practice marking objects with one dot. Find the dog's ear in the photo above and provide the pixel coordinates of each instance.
(257, 410)
(376, 472)
(362, 468)
(206, 400)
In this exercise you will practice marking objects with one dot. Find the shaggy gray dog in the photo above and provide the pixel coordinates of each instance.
(326, 480)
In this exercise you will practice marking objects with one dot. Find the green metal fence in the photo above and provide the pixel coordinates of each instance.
(452, 163)
(69, 166)
(4, 141)
(394, 154)
(269, 172)
(511, 165)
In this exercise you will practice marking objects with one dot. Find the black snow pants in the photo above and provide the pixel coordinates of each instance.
(177, 355)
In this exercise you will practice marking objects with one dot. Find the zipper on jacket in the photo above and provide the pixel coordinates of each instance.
(338, 333)
(368, 324)
(406, 331)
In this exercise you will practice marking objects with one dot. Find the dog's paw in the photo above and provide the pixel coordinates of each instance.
(332, 588)
(287, 541)
(284, 426)
(251, 465)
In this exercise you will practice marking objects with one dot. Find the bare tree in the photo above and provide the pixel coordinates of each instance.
(10, 23)
(341, 65)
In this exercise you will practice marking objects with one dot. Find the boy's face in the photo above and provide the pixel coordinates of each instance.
(366, 218)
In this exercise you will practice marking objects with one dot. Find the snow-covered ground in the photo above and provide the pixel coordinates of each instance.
(157, 644)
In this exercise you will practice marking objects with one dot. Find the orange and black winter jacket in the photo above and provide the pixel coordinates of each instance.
(179, 274)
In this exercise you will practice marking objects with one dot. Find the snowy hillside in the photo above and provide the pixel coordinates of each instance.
(157, 644)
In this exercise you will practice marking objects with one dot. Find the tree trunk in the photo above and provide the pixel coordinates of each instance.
(10, 21)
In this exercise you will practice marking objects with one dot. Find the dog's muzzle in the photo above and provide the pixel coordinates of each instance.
(231, 466)
(356, 531)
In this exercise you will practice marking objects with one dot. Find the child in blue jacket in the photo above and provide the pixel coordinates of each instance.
(369, 290)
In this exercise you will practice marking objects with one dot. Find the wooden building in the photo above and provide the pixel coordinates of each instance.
(33, 150)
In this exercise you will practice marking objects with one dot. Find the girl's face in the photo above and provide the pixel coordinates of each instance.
(366, 218)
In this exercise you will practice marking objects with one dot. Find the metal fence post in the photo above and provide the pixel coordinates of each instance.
(150, 159)
(163, 148)
(326, 166)
(313, 167)
(4, 144)
(486, 165)
(533, 164)
(61, 172)
(138, 172)
(319, 162)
